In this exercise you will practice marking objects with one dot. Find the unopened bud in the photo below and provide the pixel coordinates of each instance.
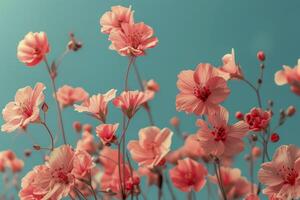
(36, 147)
(45, 107)
(261, 56)
(290, 111)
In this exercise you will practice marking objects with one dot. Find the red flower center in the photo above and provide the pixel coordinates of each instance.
(202, 93)
(289, 175)
(219, 134)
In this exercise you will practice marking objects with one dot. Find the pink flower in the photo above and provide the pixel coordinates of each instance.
(132, 39)
(151, 85)
(87, 143)
(16, 165)
(289, 76)
(230, 69)
(24, 109)
(33, 48)
(112, 20)
(107, 133)
(258, 119)
(201, 91)
(152, 147)
(188, 175)
(97, 105)
(281, 175)
(57, 177)
(131, 101)
(221, 138)
(235, 185)
(68, 95)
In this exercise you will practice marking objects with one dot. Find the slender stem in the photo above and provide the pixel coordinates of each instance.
(79, 193)
(140, 81)
(50, 134)
(61, 125)
(160, 185)
(256, 90)
(131, 60)
(170, 188)
(219, 178)
(251, 166)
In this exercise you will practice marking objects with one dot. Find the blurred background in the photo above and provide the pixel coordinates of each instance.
(189, 32)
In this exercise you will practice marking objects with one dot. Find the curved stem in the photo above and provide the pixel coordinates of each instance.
(219, 178)
(140, 81)
(256, 90)
(50, 134)
(56, 100)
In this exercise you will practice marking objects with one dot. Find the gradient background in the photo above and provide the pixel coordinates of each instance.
(189, 32)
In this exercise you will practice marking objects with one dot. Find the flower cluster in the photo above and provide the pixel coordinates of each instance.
(104, 165)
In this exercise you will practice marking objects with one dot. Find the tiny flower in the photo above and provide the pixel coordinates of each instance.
(112, 20)
(289, 76)
(239, 115)
(24, 109)
(151, 85)
(152, 146)
(131, 101)
(290, 111)
(77, 126)
(16, 165)
(107, 133)
(97, 105)
(274, 137)
(175, 121)
(221, 138)
(201, 91)
(33, 48)
(188, 175)
(68, 95)
(133, 39)
(87, 128)
(230, 70)
(281, 174)
(258, 119)
(73, 44)
(256, 152)
(261, 56)
(87, 143)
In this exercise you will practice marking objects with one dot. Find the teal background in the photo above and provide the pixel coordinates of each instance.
(189, 32)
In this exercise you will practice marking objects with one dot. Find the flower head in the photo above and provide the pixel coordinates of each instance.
(132, 39)
(107, 133)
(221, 138)
(112, 20)
(97, 105)
(24, 109)
(152, 146)
(281, 174)
(188, 175)
(289, 76)
(68, 95)
(258, 119)
(230, 69)
(131, 101)
(33, 48)
(201, 91)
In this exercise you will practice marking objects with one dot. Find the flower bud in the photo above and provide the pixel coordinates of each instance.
(261, 56)
(36, 147)
(274, 137)
(174, 121)
(45, 107)
(290, 111)
(77, 126)
(239, 115)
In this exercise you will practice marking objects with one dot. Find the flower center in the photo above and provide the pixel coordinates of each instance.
(202, 93)
(189, 178)
(219, 134)
(289, 175)
(26, 110)
(61, 176)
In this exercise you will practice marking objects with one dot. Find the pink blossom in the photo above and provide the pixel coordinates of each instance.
(281, 175)
(24, 109)
(235, 185)
(151, 85)
(289, 76)
(201, 91)
(68, 95)
(109, 159)
(230, 70)
(221, 138)
(132, 39)
(258, 119)
(87, 143)
(188, 175)
(107, 133)
(57, 177)
(112, 20)
(131, 101)
(252, 197)
(152, 146)
(97, 105)
(33, 48)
